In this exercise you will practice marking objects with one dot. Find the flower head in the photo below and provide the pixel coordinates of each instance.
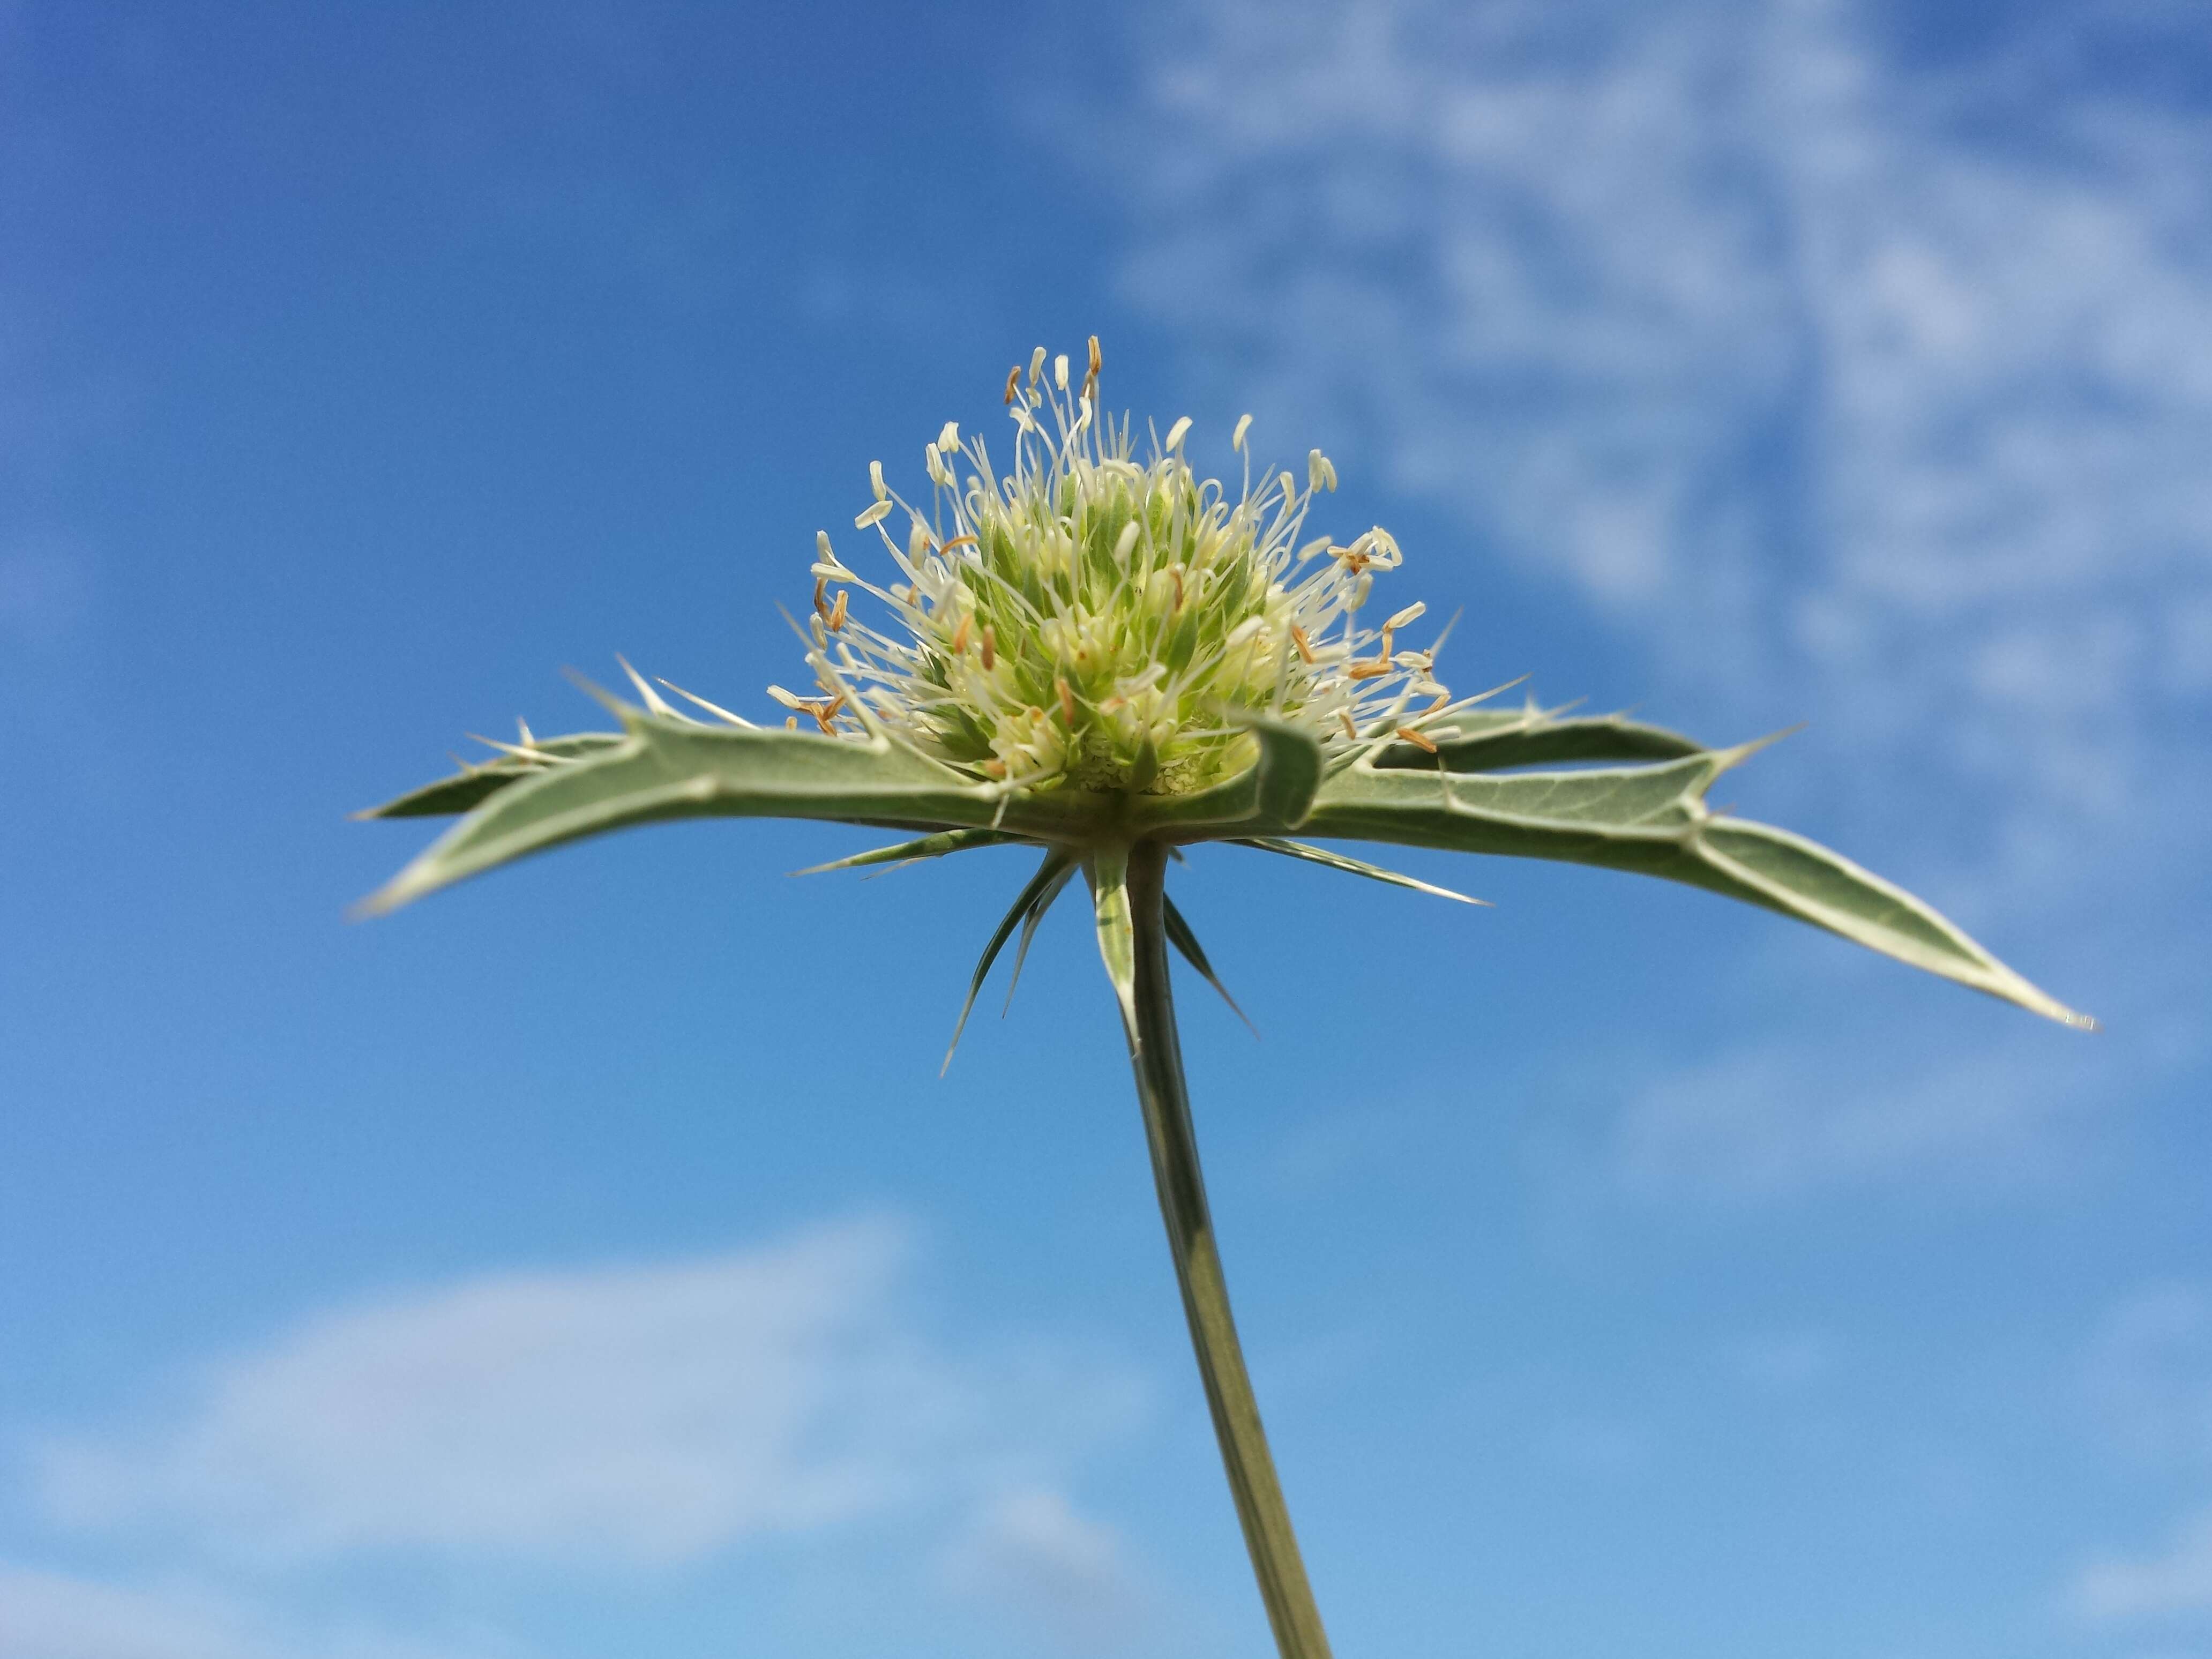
(1104, 658)
(1090, 620)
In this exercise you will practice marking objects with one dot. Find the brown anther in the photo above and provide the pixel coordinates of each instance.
(960, 638)
(826, 711)
(1066, 702)
(821, 587)
(996, 769)
(1367, 671)
(791, 722)
(837, 612)
(1013, 379)
(957, 541)
(990, 647)
(1304, 645)
(1416, 738)
(1097, 362)
(1176, 571)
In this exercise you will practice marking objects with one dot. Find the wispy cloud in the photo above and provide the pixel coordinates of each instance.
(631, 1417)
(2149, 1382)
(53, 1615)
(1067, 1576)
(2175, 1579)
(1787, 353)
(1784, 1120)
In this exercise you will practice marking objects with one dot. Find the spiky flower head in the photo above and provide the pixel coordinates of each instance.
(1092, 621)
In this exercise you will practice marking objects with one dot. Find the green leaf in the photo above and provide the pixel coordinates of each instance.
(473, 785)
(1043, 888)
(1492, 739)
(1298, 849)
(659, 770)
(906, 852)
(1653, 820)
(1181, 936)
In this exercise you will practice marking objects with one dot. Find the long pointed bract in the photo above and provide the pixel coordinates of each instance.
(907, 852)
(657, 770)
(1322, 856)
(1046, 900)
(1047, 880)
(1181, 936)
(1653, 820)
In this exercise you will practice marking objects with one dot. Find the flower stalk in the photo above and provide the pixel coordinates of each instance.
(1129, 892)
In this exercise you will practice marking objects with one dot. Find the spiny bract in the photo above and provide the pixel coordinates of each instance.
(1093, 621)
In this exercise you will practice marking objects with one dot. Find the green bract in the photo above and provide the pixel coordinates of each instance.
(1105, 658)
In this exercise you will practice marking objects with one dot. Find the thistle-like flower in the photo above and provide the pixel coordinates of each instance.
(1106, 657)
(1093, 622)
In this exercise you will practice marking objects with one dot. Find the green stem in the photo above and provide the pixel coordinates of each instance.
(1156, 1057)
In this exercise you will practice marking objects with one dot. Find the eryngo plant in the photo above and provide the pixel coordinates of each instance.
(1106, 657)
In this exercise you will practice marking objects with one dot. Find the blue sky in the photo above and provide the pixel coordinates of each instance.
(591, 1261)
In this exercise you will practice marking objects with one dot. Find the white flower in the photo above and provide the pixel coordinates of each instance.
(1088, 621)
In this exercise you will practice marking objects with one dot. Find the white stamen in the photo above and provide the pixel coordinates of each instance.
(1035, 610)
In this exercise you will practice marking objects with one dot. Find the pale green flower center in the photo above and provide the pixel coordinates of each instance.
(1089, 621)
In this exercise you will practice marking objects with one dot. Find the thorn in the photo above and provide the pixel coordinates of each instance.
(654, 700)
(1723, 759)
(715, 709)
(626, 713)
(537, 754)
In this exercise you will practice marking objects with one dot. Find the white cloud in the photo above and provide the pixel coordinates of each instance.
(1787, 355)
(1781, 1120)
(639, 1416)
(1029, 1551)
(2178, 1580)
(53, 1615)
